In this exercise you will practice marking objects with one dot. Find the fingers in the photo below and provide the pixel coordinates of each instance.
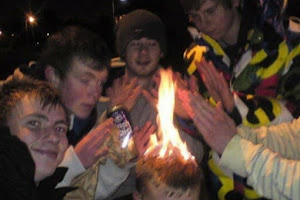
(193, 84)
(185, 100)
(151, 98)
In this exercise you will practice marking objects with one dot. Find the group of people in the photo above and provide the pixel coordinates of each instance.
(58, 141)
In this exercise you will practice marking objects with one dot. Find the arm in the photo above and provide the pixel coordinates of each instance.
(253, 110)
(283, 138)
(271, 175)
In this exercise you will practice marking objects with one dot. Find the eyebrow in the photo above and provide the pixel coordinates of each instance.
(43, 117)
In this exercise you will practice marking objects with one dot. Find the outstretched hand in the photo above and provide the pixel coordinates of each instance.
(125, 91)
(142, 137)
(179, 110)
(92, 146)
(213, 123)
(216, 84)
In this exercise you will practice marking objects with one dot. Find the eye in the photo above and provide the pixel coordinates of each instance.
(84, 80)
(211, 10)
(34, 124)
(153, 44)
(61, 129)
(135, 44)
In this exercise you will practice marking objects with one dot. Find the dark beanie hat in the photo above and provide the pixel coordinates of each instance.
(137, 24)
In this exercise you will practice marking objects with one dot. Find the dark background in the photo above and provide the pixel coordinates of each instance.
(19, 45)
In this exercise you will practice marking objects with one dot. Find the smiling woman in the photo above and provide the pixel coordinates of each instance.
(37, 123)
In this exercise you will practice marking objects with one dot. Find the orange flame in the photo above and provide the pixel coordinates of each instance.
(169, 133)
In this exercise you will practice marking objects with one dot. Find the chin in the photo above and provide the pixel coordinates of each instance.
(82, 115)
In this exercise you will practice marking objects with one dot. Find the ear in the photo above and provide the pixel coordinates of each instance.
(51, 76)
(137, 196)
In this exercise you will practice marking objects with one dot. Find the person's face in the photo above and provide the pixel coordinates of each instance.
(154, 192)
(142, 57)
(44, 132)
(213, 18)
(82, 87)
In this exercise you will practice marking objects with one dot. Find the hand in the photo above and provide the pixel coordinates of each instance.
(216, 84)
(92, 146)
(212, 122)
(190, 85)
(152, 94)
(124, 91)
(142, 137)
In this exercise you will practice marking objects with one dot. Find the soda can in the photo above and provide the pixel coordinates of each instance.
(121, 120)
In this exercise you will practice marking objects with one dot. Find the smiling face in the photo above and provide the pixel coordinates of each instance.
(82, 86)
(142, 57)
(44, 132)
(216, 20)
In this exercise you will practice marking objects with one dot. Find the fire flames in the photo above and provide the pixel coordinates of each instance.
(169, 135)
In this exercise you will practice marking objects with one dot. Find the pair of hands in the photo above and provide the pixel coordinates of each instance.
(212, 122)
(93, 146)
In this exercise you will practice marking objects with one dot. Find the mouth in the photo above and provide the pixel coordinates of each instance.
(45, 152)
(143, 63)
(88, 106)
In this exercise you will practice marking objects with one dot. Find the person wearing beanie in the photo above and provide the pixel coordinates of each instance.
(141, 43)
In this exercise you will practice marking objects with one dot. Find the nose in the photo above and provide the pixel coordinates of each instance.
(144, 49)
(52, 136)
(95, 91)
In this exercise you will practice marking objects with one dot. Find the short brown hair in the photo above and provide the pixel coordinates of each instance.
(14, 91)
(189, 5)
(172, 171)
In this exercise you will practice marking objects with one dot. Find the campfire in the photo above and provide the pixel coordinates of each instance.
(169, 138)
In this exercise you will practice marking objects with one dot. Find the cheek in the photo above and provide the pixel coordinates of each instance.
(29, 138)
(71, 94)
(63, 145)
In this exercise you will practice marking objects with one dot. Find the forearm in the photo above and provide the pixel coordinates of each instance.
(271, 175)
(283, 138)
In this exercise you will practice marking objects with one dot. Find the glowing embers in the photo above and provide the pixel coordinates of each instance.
(169, 138)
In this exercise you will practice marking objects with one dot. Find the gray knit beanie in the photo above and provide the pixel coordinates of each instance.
(137, 24)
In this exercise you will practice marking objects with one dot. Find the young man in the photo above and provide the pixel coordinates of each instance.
(141, 42)
(76, 62)
(246, 41)
(38, 123)
(268, 156)
(168, 178)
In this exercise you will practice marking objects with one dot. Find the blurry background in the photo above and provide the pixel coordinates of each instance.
(25, 25)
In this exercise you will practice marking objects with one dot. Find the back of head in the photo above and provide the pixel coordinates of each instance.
(71, 41)
(178, 177)
(14, 91)
(137, 24)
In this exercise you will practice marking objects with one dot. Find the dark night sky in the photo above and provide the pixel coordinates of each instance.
(96, 15)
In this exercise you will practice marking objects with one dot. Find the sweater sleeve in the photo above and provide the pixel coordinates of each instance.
(271, 175)
(283, 138)
(74, 165)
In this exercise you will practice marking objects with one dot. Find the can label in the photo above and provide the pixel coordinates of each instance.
(123, 124)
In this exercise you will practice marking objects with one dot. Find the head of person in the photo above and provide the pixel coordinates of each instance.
(75, 61)
(34, 113)
(141, 42)
(167, 178)
(215, 18)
